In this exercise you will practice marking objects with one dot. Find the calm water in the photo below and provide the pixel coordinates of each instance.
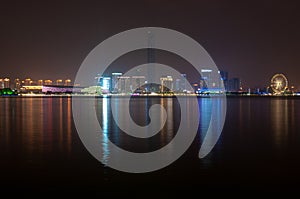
(258, 149)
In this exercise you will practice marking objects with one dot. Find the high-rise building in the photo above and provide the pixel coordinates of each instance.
(115, 77)
(97, 80)
(151, 63)
(1, 83)
(124, 84)
(224, 79)
(68, 82)
(166, 83)
(6, 82)
(17, 85)
(234, 85)
(59, 82)
(40, 82)
(105, 84)
(206, 77)
(137, 83)
(177, 85)
(181, 84)
(27, 82)
(48, 82)
(196, 87)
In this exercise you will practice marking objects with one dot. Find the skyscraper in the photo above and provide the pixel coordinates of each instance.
(1, 83)
(206, 77)
(181, 84)
(114, 84)
(166, 83)
(105, 84)
(17, 84)
(151, 61)
(48, 82)
(68, 82)
(124, 84)
(27, 82)
(137, 82)
(6, 83)
(40, 82)
(234, 85)
(224, 78)
(59, 82)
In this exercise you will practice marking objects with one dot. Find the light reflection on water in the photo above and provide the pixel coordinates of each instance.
(105, 130)
(39, 125)
(259, 134)
(281, 118)
(139, 112)
(36, 125)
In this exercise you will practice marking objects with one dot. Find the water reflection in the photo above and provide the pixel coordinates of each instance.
(139, 111)
(105, 122)
(205, 105)
(36, 125)
(69, 121)
(212, 118)
(280, 120)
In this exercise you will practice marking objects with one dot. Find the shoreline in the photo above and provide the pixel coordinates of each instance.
(145, 96)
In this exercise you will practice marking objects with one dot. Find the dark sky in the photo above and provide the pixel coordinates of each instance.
(249, 39)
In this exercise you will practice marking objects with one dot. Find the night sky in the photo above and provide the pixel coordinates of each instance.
(251, 40)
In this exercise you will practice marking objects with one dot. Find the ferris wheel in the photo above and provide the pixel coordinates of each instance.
(279, 83)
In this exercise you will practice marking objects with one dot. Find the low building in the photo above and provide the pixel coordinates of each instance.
(49, 89)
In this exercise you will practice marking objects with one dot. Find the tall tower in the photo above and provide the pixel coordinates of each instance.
(150, 61)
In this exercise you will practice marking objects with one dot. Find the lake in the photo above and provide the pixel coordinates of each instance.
(40, 149)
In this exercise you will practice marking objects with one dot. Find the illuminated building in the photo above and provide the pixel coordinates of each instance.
(17, 84)
(94, 90)
(224, 78)
(27, 82)
(124, 84)
(196, 87)
(31, 89)
(114, 84)
(6, 83)
(59, 82)
(166, 83)
(53, 89)
(40, 82)
(180, 84)
(234, 85)
(68, 82)
(137, 83)
(105, 84)
(151, 62)
(206, 78)
(48, 82)
(177, 85)
(1, 83)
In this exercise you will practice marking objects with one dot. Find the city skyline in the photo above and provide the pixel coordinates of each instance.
(253, 40)
(117, 83)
